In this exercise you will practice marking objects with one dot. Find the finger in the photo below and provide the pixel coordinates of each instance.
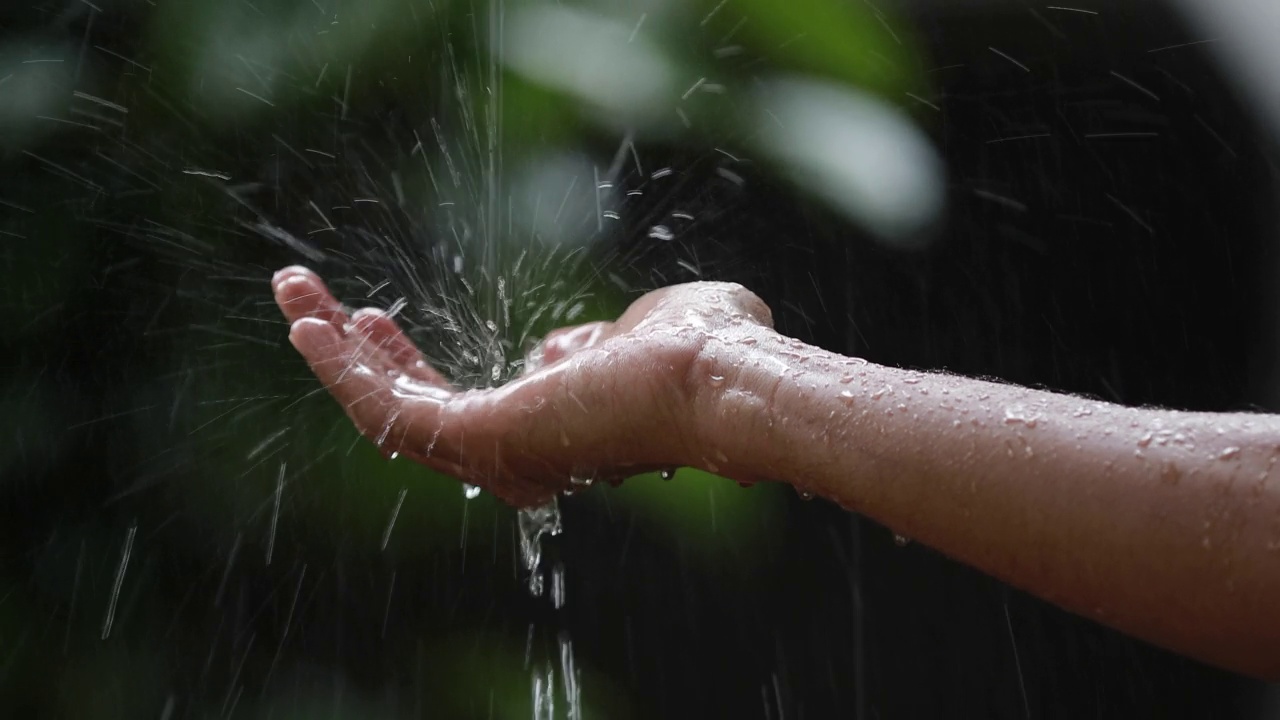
(364, 392)
(385, 334)
(565, 341)
(301, 293)
(750, 303)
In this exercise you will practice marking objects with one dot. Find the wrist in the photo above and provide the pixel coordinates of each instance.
(733, 384)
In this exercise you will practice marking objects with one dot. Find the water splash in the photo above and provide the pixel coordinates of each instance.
(535, 524)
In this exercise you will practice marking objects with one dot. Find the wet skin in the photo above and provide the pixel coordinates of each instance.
(1162, 524)
(603, 400)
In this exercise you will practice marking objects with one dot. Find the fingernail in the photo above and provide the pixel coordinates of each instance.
(288, 283)
(290, 272)
(367, 312)
(313, 335)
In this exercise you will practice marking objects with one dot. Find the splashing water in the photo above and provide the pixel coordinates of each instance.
(534, 524)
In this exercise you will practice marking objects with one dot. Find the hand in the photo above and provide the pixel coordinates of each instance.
(599, 401)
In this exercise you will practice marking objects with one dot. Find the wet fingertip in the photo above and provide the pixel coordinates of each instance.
(292, 288)
(312, 335)
(284, 272)
(365, 320)
(368, 311)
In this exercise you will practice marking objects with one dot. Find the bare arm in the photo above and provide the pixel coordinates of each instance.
(1163, 524)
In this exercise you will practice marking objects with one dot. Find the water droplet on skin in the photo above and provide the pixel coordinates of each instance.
(716, 380)
(580, 482)
(911, 381)
(880, 393)
(1230, 453)
(393, 456)
(470, 492)
(846, 380)
(667, 473)
(805, 494)
(901, 540)
(1145, 440)
(1019, 415)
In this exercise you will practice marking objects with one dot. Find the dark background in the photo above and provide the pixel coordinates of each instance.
(1126, 250)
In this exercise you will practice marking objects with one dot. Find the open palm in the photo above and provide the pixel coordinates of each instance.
(601, 401)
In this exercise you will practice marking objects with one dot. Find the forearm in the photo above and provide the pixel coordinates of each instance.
(1163, 524)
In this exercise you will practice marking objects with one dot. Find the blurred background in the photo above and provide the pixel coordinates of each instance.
(1079, 198)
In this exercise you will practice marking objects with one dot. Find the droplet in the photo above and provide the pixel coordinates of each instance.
(805, 494)
(470, 492)
(1145, 440)
(716, 380)
(846, 396)
(1230, 453)
(901, 540)
(1018, 414)
(393, 455)
(661, 232)
(667, 473)
(581, 482)
(846, 380)
(557, 586)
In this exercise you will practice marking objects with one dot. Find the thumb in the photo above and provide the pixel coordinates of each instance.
(565, 341)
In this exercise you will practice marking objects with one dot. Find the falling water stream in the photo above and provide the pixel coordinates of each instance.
(396, 147)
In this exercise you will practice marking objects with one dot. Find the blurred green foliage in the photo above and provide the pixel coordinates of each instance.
(150, 148)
